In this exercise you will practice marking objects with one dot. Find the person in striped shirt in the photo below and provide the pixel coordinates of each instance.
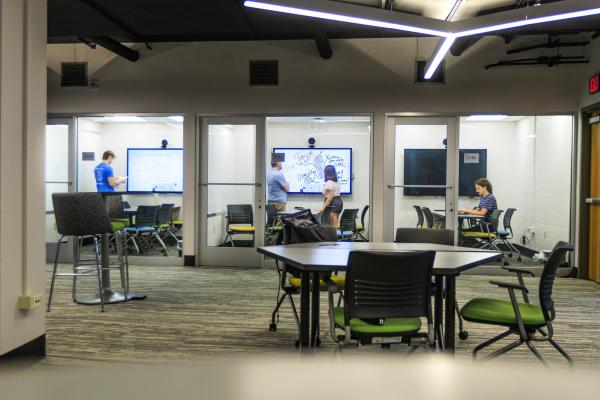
(487, 203)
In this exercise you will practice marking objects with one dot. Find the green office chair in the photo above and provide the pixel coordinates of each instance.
(530, 322)
(385, 297)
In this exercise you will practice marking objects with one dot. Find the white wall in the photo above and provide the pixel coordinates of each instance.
(364, 76)
(118, 137)
(22, 139)
(356, 135)
(57, 170)
(553, 146)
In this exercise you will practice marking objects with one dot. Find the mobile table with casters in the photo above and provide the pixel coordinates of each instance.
(313, 259)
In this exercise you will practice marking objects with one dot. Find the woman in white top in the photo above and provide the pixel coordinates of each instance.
(331, 191)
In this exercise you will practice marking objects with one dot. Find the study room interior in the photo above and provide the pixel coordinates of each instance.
(232, 189)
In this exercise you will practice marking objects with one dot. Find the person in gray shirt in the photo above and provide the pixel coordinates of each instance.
(278, 187)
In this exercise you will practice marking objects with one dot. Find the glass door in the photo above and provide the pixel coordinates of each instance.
(424, 172)
(59, 172)
(231, 200)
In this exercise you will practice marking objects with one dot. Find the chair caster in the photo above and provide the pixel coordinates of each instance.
(272, 327)
(463, 335)
(510, 256)
(519, 259)
(297, 344)
(506, 264)
(318, 342)
(386, 346)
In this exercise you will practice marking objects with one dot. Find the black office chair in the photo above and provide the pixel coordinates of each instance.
(361, 229)
(240, 221)
(145, 232)
(300, 227)
(274, 227)
(487, 234)
(116, 211)
(433, 220)
(420, 217)
(385, 297)
(530, 322)
(83, 215)
(164, 222)
(347, 224)
(506, 234)
(434, 236)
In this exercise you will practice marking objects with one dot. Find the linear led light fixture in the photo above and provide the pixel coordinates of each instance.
(343, 18)
(447, 38)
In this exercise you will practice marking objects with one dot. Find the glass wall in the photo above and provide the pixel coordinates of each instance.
(310, 144)
(420, 175)
(529, 163)
(149, 159)
(57, 172)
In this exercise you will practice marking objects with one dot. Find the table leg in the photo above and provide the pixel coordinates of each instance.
(314, 323)
(450, 323)
(438, 309)
(304, 309)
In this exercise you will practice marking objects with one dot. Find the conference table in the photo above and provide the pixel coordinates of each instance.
(313, 259)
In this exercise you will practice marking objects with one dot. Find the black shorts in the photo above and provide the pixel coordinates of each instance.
(337, 205)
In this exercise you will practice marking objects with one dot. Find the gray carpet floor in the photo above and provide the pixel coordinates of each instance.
(213, 313)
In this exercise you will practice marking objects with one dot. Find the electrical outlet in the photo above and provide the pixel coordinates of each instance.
(30, 301)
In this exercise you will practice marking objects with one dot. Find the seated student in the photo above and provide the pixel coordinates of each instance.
(487, 203)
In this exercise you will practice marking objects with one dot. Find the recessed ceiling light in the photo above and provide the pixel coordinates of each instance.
(486, 117)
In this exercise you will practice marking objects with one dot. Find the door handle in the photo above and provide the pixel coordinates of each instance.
(592, 200)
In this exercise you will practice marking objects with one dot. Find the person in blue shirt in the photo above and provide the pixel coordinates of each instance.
(487, 203)
(278, 187)
(105, 177)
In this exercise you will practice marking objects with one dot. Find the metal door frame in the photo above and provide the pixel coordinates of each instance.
(231, 256)
(451, 199)
(66, 253)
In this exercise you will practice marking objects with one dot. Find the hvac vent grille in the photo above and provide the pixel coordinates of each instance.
(438, 77)
(73, 74)
(264, 73)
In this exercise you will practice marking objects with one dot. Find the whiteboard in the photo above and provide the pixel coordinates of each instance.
(155, 170)
(303, 168)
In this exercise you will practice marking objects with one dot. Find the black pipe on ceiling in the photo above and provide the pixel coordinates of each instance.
(116, 47)
(323, 45)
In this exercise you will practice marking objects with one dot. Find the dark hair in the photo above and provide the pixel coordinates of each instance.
(484, 182)
(274, 163)
(330, 173)
(108, 153)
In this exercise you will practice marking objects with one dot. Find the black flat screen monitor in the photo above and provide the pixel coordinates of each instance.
(427, 167)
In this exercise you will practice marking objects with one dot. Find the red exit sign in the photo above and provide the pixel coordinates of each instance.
(595, 84)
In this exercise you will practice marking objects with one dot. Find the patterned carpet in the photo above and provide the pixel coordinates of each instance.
(209, 313)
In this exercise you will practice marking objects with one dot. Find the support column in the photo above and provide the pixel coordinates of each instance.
(22, 139)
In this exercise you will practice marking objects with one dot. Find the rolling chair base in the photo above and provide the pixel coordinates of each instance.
(110, 297)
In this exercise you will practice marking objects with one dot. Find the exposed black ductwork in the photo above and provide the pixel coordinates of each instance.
(543, 60)
(112, 45)
(550, 44)
(102, 11)
(323, 45)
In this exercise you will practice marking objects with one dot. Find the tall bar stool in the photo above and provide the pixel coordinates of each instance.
(82, 215)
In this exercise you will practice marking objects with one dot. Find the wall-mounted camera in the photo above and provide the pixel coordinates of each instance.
(164, 144)
(311, 142)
